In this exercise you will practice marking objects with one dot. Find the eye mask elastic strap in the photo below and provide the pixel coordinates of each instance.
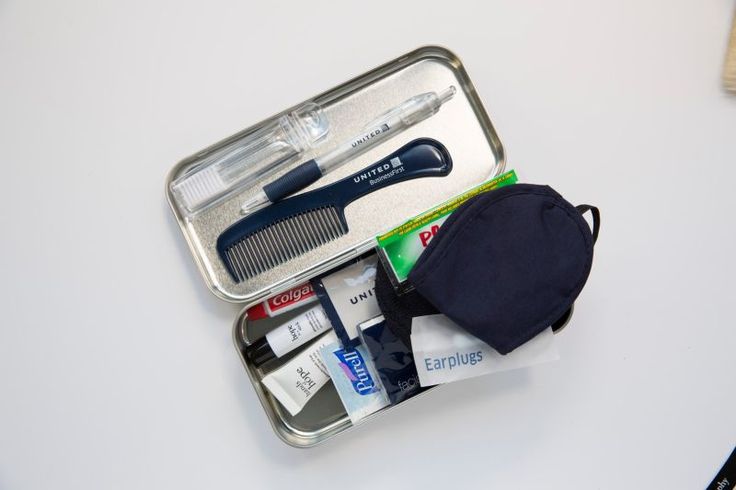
(582, 208)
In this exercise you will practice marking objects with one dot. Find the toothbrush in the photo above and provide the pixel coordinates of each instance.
(410, 112)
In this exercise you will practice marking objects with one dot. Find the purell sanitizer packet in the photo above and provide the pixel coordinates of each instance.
(355, 380)
(444, 352)
(400, 248)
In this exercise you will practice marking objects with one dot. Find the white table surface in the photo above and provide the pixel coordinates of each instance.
(117, 368)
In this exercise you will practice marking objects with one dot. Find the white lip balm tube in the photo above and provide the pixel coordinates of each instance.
(287, 337)
(296, 382)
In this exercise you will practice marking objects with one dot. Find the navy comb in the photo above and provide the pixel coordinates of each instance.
(292, 227)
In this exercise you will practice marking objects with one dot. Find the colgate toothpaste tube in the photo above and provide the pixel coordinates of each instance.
(281, 303)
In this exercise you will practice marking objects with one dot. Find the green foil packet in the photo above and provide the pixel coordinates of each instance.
(400, 247)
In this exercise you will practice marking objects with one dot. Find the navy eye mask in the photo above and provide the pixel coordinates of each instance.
(508, 263)
(399, 310)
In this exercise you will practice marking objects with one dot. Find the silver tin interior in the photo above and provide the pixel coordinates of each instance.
(462, 125)
(322, 417)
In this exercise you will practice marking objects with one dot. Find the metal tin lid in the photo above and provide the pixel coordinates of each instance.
(462, 126)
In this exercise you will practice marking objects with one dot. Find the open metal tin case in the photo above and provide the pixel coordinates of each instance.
(462, 125)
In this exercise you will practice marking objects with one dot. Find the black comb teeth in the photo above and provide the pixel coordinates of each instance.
(284, 240)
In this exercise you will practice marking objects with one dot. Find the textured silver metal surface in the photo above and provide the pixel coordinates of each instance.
(461, 125)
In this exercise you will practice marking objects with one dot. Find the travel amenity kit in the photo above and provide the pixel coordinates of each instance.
(378, 246)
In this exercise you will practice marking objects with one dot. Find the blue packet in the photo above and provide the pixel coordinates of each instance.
(392, 360)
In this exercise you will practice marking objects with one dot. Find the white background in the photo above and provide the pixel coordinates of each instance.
(117, 368)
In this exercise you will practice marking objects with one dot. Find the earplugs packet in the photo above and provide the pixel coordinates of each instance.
(444, 352)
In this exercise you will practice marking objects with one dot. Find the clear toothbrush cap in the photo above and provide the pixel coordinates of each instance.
(251, 157)
(311, 122)
(447, 94)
